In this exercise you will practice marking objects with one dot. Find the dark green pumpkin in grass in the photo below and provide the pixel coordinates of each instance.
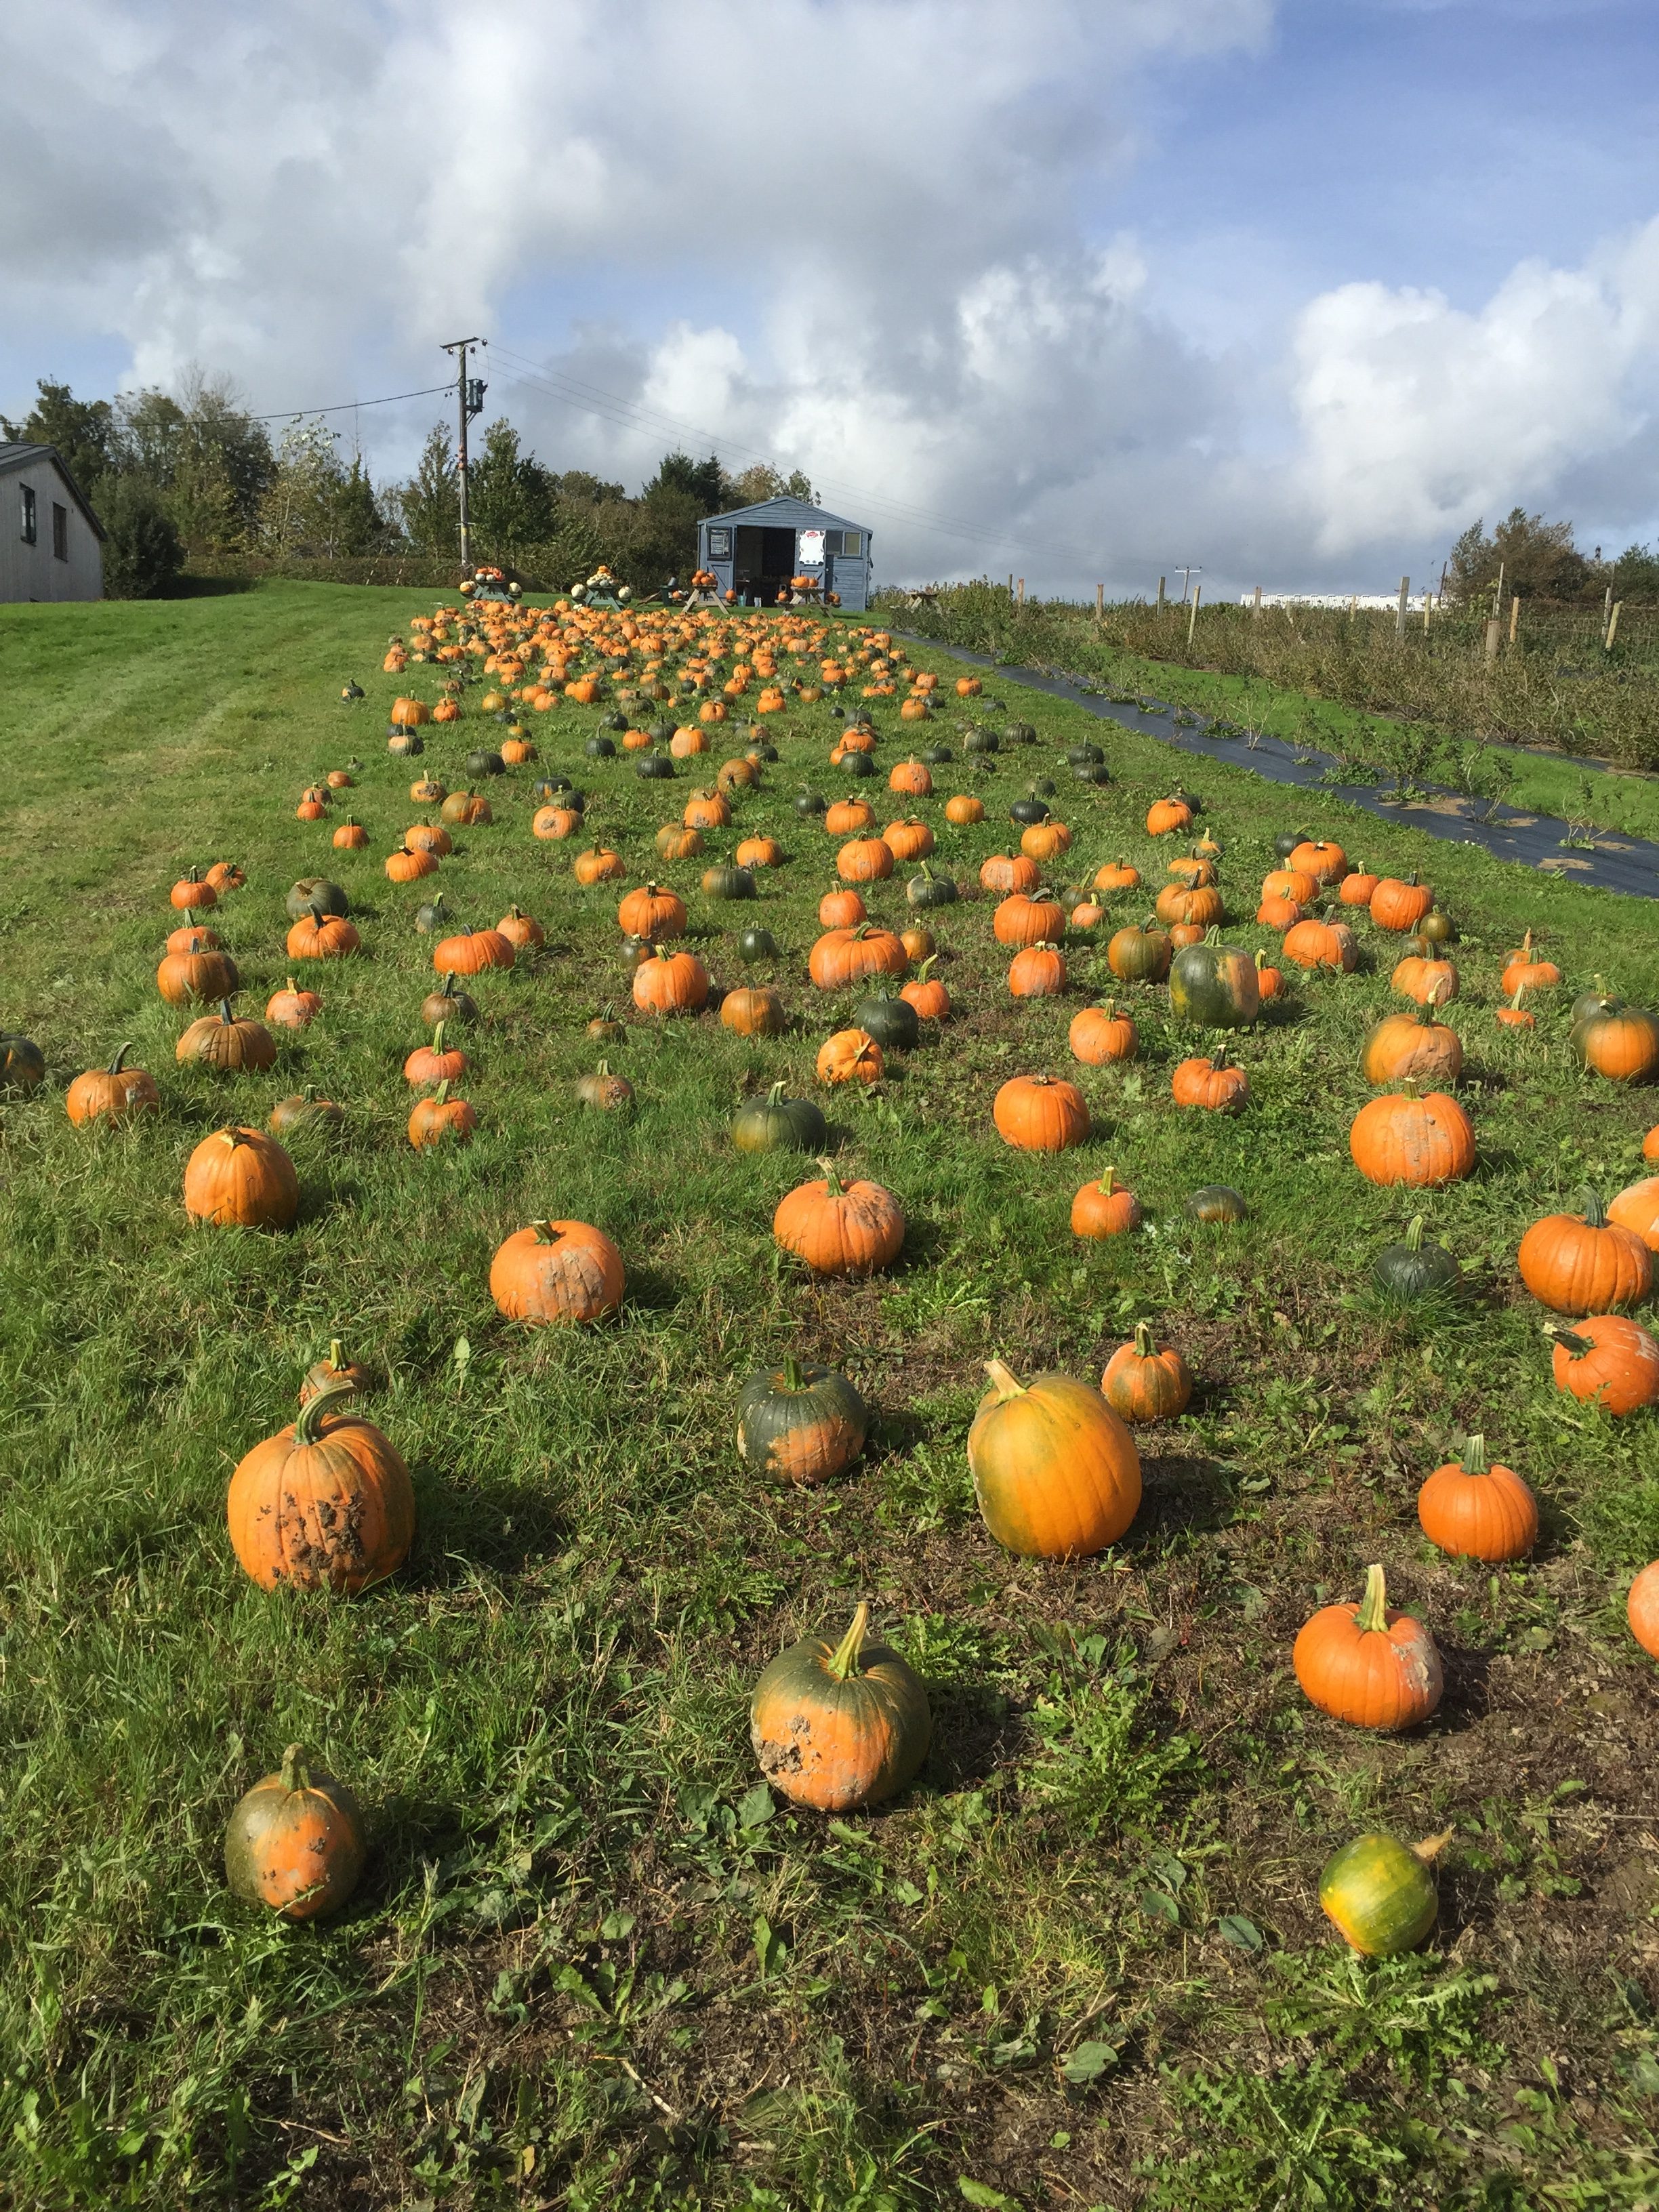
(800, 1424)
(22, 1064)
(1414, 1270)
(728, 883)
(654, 768)
(1217, 1201)
(929, 890)
(1381, 1892)
(316, 894)
(777, 1124)
(1215, 985)
(757, 945)
(892, 1021)
(601, 748)
(485, 762)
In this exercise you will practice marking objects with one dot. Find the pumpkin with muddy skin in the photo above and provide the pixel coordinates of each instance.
(1145, 1384)
(556, 1272)
(840, 1229)
(837, 1727)
(325, 1503)
(296, 1841)
(1606, 1359)
(1423, 1141)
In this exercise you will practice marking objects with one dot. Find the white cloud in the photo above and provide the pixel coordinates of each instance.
(1419, 416)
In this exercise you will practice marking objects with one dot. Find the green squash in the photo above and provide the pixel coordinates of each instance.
(654, 768)
(660, 731)
(857, 764)
(800, 1424)
(982, 740)
(485, 762)
(929, 890)
(315, 894)
(892, 1021)
(777, 1124)
(1215, 985)
(601, 748)
(22, 1063)
(1217, 1201)
(1380, 1894)
(812, 802)
(433, 916)
(1287, 841)
(728, 883)
(1019, 734)
(1414, 1270)
(615, 720)
(757, 945)
(1601, 1000)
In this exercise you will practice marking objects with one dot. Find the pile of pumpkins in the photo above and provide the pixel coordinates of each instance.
(326, 1504)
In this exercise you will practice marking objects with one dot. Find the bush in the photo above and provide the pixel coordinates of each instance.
(142, 553)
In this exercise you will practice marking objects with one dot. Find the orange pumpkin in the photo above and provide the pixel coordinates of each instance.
(652, 912)
(1583, 1263)
(1117, 876)
(964, 808)
(408, 863)
(471, 951)
(1145, 1384)
(1637, 1208)
(1322, 945)
(1606, 1360)
(1430, 983)
(600, 864)
(1475, 1509)
(1412, 1046)
(1021, 919)
(1101, 1034)
(754, 1011)
(556, 1272)
(325, 1503)
(240, 1178)
(1038, 972)
(1326, 863)
(1398, 905)
(1367, 1664)
(1010, 871)
(1642, 1609)
(671, 983)
(837, 1229)
(1104, 1208)
(1357, 889)
(296, 1841)
(1055, 1470)
(1217, 1085)
(186, 979)
(1423, 1141)
(320, 936)
(850, 1057)
(842, 956)
(925, 992)
(1525, 973)
(115, 1093)
(865, 860)
(1167, 816)
(838, 1727)
(442, 1120)
(522, 932)
(1041, 1114)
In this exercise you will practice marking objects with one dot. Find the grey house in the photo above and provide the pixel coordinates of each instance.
(755, 550)
(52, 543)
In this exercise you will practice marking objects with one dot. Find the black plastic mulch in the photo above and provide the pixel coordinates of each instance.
(1628, 865)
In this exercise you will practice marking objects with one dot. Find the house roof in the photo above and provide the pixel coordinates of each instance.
(787, 512)
(17, 455)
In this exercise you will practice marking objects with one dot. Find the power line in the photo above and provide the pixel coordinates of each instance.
(347, 407)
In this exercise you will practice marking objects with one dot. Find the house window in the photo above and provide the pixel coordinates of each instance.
(59, 532)
(852, 544)
(720, 545)
(31, 529)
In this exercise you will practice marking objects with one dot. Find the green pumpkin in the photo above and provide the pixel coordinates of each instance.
(980, 740)
(800, 1424)
(757, 945)
(316, 894)
(22, 1063)
(1019, 734)
(777, 1124)
(1414, 1270)
(1080, 755)
(929, 890)
(433, 916)
(1215, 985)
(484, 762)
(1438, 928)
(1217, 1201)
(1380, 1894)
(812, 802)
(839, 1726)
(661, 730)
(1092, 772)
(892, 1021)
(601, 748)
(1601, 1000)
(654, 768)
(728, 883)
(615, 720)
(857, 764)
(1287, 841)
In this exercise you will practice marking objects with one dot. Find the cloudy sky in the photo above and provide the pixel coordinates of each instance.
(1081, 290)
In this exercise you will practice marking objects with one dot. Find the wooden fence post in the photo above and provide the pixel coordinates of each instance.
(1256, 608)
(1100, 602)
(1400, 616)
(1612, 625)
(1515, 616)
(1163, 595)
(1191, 619)
(1494, 633)
(1022, 590)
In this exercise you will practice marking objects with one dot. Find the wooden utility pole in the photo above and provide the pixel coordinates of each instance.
(1100, 602)
(1187, 575)
(1191, 619)
(1399, 612)
(469, 397)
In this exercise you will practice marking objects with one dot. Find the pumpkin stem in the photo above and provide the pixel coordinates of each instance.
(833, 1185)
(793, 1378)
(1432, 1846)
(844, 1661)
(438, 1038)
(1414, 1234)
(336, 1352)
(1472, 1458)
(305, 1428)
(1372, 1616)
(1108, 1183)
(225, 1014)
(1008, 1384)
(1144, 1347)
(1569, 1339)
(295, 1771)
(1590, 1206)
(440, 1095)
(115, 1065)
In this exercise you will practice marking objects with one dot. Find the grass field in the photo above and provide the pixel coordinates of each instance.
(1081, 1961)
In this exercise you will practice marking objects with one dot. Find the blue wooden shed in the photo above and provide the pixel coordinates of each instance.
(755, 550)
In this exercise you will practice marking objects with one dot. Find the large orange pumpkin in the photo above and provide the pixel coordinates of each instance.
(1101, 1034)
(1421, 1141)
(1021, 919)
(1055, 1470)
(1040, 1113)
(671, 983)
(1607, 1360)
(841, 956)
(325, 1503)
(1583, 1263)
(1476, 1509)
(838, 1229)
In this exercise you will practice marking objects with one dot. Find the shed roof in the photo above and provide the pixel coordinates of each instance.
(15, 455)
(787, 512)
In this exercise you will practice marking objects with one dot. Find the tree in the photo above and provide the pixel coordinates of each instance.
(300, 513)
(588, 490)
(211, 462)
(1539, 560)
(82, 430)
(429, 504)
(360, 527)
(142, 552)
(705, 482)
(511, 498)
(763, 482)
(1635, 574)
